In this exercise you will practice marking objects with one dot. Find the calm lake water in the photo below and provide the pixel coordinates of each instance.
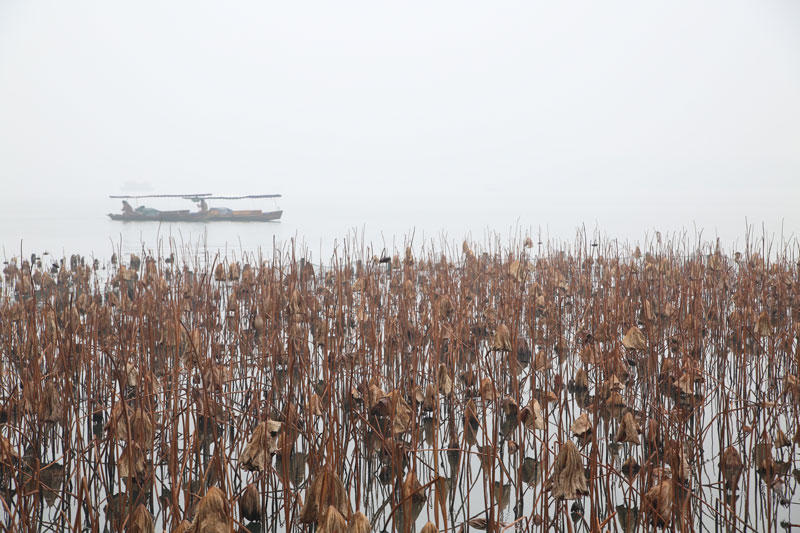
(319, 222)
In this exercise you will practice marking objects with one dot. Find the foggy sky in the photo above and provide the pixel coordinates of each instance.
(685, 102)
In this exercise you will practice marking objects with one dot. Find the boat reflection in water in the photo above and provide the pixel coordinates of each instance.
(203, 214)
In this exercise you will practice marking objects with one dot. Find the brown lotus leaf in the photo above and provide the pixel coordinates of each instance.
(613, 384)
(132, 462)
(51, 404)
(325, 490)
(250, 503)
(648, 311)
(531, 416)
(487, 457)
(581, 380)
(513, 447)
(429, 400)
(589, 356)
(510, 406)
(781, 440)
(314, 405)
(262, 444)
(332, 521)
(417, 394)
(445, 381)
(630, 467)
(658, 502)
(139, 421)
(430, 527)
(764, 462)
(140, 521)
(653, 438)
(502, 494)
(569, 479)
(502, 339)
(581, 426)
(541, 362)
(685, 384)
(731, 466)
(530, 470)
(359, 523)
(413, 498)
(488, 392)
(791, 385)
(628, 430)
(480, 523)
(219, 272)
(131, 375)
(516, 271)
(400, 411)
(763, 325)
(634, 339)
(8, 456)
(51, 479)
(184, 527)
(677, 458)
(615, 401)
(213, 515)
(234, 271)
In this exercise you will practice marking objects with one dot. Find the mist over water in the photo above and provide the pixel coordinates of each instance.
(456, 118)
(318, 225)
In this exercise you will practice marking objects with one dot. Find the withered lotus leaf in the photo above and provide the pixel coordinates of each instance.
(731, 466)
(8, 456)
(262, 444)
(332, 521)
(413, 498)
(140, 521)
(581, 380)
(325, 490)
(634, 339)
(781, 440)
(445, 381)
(183, 527)
(132, 462)
(359, 523)
(630, 467)
(250, 503)
(213, 515)
(658, 502)
(531, 415)
(401, 418)
(488, 392)
(529, 472)
(763, 325)
(51, 405)
(569, 479)
(430, 527)
(138, 421)
(516, 271)
(628, 430)
(502, 339)
(541, 362)
(429, 400)
(581, 426)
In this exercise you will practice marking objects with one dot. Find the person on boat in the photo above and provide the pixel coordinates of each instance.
(147, 211)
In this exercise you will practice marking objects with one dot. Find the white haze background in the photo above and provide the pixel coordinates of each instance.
(438, 117)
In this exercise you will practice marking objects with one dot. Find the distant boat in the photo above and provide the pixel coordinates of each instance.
(203, 214)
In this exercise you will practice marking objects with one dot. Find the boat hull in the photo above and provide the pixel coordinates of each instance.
(167, 216)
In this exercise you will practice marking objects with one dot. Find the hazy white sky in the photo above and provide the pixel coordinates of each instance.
(526, 102)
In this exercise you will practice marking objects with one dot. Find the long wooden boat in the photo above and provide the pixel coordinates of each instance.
(203, 214)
